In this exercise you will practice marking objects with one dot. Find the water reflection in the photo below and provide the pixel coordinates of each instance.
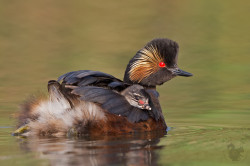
(130, 149)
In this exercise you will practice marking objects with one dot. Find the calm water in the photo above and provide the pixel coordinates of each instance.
(208, 113)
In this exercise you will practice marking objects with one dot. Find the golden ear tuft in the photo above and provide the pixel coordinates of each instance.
(145, 64)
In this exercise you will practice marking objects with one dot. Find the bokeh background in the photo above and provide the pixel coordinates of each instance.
(43, 39)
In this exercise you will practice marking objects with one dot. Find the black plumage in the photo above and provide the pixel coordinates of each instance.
(87, 77)
(106, 90)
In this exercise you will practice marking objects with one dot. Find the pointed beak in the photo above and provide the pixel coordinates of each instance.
(180, 72)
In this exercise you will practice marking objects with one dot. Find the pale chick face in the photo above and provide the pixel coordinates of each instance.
(137, 97)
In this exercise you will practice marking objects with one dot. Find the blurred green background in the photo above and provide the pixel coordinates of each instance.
(42, 39)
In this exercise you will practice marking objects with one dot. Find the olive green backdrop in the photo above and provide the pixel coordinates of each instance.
(40, 40)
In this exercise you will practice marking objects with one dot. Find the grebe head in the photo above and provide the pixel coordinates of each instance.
(154, 64)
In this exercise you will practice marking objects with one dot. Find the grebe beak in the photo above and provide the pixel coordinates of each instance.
(180, 72)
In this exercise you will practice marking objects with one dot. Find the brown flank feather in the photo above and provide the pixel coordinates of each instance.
(115, 124)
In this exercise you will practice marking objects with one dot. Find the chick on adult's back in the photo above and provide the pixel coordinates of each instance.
(86, 110)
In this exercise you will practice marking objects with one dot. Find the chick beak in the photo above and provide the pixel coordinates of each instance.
(146, 106)
(179, 72)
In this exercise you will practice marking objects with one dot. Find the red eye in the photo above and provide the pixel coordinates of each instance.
(162, 64)
(141, 102)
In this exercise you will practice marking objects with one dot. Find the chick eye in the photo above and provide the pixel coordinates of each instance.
(141, 102)
(162, 64)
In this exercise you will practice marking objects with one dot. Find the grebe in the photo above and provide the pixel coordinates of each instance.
(92, 102)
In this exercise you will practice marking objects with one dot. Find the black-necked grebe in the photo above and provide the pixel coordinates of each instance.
(92, 102)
